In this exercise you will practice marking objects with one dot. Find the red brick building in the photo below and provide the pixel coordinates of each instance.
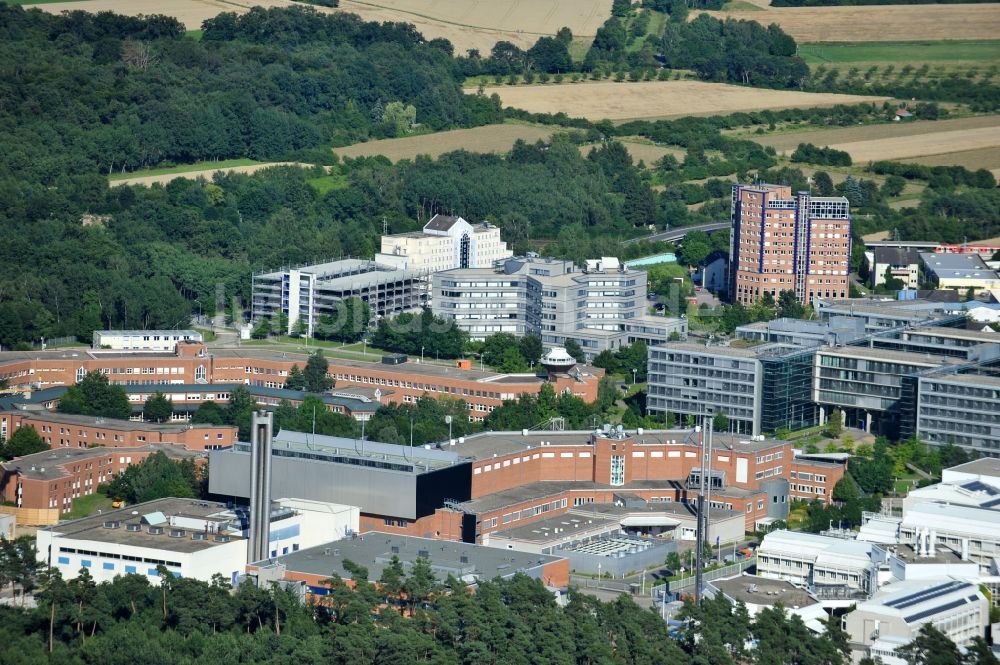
(63, 430)
(193, 363)
(785, 242)
(53, 478)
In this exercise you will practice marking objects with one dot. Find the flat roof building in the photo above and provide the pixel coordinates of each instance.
(601, 306)
(190, 537)
(893, 617)
(972, 532)
(375, 550)
(961, 271)
(143, 340)
(760, 388)
(960, 408)
(313, 291)
(784, 242)
(900, 263)
(833, 568)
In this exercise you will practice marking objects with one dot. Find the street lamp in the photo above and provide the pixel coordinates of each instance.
(421, 354)
(447, 419)
(634, 370)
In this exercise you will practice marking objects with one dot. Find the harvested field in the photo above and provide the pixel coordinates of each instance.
(659, 99)
(981, 158)
(879, 23)
(787, 142)
(465, 23)
(189, 12)
(903, 148)
(206, 173)
(492, 138)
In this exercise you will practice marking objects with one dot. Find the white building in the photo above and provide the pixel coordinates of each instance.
(601, 306)
(974, 533)
(894, 616)
(833, 568)
(143, 340)
(985, 470)
(445, 243)
(191, 538)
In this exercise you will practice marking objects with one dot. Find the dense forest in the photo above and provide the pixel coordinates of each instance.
(405, 616)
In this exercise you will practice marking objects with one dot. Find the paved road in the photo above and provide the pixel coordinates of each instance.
(678, 233)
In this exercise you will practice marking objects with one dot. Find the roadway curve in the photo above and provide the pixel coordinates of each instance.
(678, 233)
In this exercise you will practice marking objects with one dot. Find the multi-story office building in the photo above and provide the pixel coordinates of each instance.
(601, 306)
(309, 292)
(881, 314)
(445, 243)
(960, 408)
(760, 389)
(785, 242)
(894, 617)
(831, 567)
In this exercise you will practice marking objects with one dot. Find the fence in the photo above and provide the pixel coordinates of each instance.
(678, 587)
(32, 516)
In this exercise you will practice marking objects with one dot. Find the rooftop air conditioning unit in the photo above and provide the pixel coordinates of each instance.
(177, 533)
(199, 536)
(111, 524)
(156, 530)
(133, 527)
(222, 539)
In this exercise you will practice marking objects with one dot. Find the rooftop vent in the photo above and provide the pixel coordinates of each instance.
(423, 553)
(199, 536)
(464, 558)
(156, 530)
(133, 527)
(394, 549)
(177, 533)
(222, 539)
(111, 524)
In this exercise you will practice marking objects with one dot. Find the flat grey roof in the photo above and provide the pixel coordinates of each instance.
(981, 380)
(46, 465)
(92, 528)
(956, 333)
(543, 532)
(675, 509)
(547, 488)
(942, 554)
(766, 591)
(374, 551)
(958, 265)
(987, 466)
(113, 423)
(913, 358)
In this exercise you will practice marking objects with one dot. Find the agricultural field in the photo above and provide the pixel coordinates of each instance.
(981, 158)
(878, 23)
(902, 53)
(467, 24)
(901, 148)
(659, 99)
(192, 171)
(491, 138)
(786, 142)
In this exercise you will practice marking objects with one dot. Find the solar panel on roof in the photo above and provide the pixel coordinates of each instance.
(980, 486)
(935, 610)
(920, 596)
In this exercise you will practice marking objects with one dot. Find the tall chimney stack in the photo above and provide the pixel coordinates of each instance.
(261, 441)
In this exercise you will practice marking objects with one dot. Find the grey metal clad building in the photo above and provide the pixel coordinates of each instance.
(760, 389)
(311, 291)
(835, 330)
(380, 478)
(961, 409)
(884, 313)
(602, 305)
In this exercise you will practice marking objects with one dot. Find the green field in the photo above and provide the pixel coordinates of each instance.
(327, 183)
(87, 505)
(194, 34)
(901, 52)
(184, 168)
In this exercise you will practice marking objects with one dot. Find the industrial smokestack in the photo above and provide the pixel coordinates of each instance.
(703, 506)
(261, 441)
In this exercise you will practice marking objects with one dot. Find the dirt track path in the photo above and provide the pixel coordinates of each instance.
(207, 174)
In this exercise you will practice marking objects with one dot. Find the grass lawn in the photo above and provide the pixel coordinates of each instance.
(327, 183)
(901, 52)
(87, 505)
(185, 168)
(193, 34)
(207, 334)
